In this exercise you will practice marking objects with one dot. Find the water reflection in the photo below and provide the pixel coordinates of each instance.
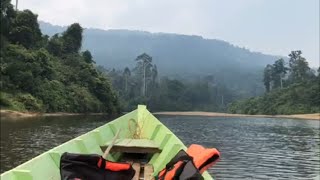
(23, 139)
(251, 148)
(257, 148)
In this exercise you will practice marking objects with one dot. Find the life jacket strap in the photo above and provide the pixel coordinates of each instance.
(176, 165)
(181, 156)
(112, 166)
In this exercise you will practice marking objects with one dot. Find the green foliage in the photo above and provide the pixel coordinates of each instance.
(7, 16)
(178, 56)
(278, 72)
(274, 103)
(72, 38)
(267, 77)
(20, 102)
(52, 79)
(298, 66)
(302, 94)
(168, 94)
(143, 70)
(87, 57)
(25, 29)
(55, 45)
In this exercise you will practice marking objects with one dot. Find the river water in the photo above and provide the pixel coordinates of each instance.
(251, 148)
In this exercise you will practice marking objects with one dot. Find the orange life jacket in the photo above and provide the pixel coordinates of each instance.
(92, 167)
(113, 166)
(190, 164)
(203, 158)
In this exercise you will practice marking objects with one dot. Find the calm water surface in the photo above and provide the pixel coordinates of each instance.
(251, 148)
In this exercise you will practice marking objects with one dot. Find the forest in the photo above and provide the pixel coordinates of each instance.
(292, 88)
(142, 84)
(56, 73)
(45, 74)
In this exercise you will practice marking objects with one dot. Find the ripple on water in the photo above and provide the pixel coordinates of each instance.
(251, 148)
(255, 148)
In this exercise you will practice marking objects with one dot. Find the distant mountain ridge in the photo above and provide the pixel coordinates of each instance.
(176, 55)
(118, 49)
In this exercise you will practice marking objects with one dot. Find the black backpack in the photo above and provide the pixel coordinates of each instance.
(187, 170)
(91, 167)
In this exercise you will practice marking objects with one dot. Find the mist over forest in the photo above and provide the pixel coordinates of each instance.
(182, 57)
(76, 69)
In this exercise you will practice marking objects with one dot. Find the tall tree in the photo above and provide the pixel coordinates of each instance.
(72, 38)
(54, 45)
(298, 66)
(144, 61)
(7, 15)
(126, 75)
(278, 72)
(154, 73)
(267, 77)
(25, 29)
(87, 56)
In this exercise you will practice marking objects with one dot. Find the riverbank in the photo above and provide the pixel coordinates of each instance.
(5, 113)
(16, 114)
(315, 116)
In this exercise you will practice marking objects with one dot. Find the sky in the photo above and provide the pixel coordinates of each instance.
(269, 26)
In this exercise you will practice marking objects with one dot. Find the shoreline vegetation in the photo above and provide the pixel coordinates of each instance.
(314, 116)
(16, 114)
(53, 74)
(11, 114)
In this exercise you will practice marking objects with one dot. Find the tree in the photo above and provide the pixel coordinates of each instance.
(144, 63)
(7, 16)
(87, 57)
(25, 29)
(50, 79)
(298, 66)
(267, 77)
(126, 74)
(72, 38)
(278, 72)
(55, 45)
(154, 73)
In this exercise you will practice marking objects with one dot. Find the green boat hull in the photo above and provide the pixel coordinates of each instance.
(46, 165)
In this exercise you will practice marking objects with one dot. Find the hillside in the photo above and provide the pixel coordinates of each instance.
(180, 56)
(292, 89)
(298, 98)
(118, 48)
(49, 75)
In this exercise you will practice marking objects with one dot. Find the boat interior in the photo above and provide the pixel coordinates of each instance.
(143, 141)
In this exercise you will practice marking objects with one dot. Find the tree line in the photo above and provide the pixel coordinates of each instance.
(279, 75)
(53, 74)
(143, 85)
(49, 74)
(291, 88)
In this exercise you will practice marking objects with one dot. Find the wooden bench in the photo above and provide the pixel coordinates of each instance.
(143, 172)
(133, 146)
(140, 146)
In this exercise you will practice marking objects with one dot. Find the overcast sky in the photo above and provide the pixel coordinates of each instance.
(268, 26)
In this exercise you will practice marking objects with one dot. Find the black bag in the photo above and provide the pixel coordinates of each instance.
(91, 167)
(187, 170)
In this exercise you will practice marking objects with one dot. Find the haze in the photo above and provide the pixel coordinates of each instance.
(268, 26)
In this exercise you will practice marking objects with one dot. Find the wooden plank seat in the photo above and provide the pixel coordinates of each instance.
(148, 172)
(133, 146)
(143, 172)
(136, 167)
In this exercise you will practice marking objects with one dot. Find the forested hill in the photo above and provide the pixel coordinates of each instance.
(45, 74)
(178, 56)
(118, 48)
(292, 89)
